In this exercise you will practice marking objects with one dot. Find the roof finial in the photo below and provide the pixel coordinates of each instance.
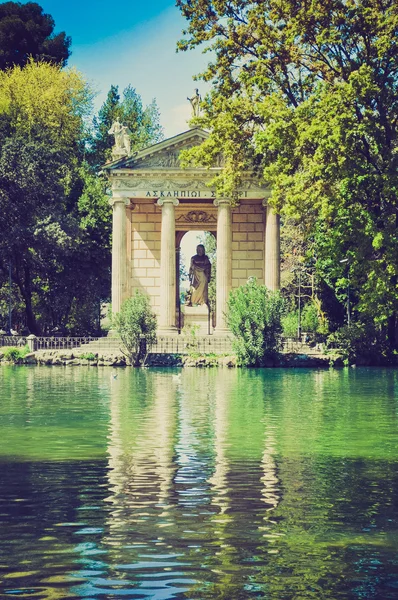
(195, 103)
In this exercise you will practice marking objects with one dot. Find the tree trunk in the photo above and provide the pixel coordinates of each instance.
(25, 288)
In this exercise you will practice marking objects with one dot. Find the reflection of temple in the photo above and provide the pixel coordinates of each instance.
(155, 202)
(141, 446)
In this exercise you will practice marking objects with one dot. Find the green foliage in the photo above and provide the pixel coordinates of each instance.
(309, 318)
(307, 94)
(15, 354)
(54, 215)
(136, 325)
(25, 31)
(88, 356)
(254, 318)
(204, 359)
(39, 180)
(190, 334)
(310, 321)
(42, 100)
(289, 324)
(55, 218)
(361, 342)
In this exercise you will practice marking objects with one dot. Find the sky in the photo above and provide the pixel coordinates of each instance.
(132, 42)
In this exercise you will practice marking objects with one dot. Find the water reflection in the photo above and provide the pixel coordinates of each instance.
(216, 484)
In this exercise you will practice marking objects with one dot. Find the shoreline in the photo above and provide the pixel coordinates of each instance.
(117, 359)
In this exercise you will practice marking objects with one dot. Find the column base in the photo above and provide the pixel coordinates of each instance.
(222, 332)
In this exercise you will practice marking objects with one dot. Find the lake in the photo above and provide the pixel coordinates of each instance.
(220, 484)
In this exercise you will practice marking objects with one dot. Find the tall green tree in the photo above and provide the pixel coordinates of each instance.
(47, 199)
(26, 31)
(143, 123)
(306, 92)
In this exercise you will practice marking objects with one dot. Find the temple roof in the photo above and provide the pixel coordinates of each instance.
(161, 155)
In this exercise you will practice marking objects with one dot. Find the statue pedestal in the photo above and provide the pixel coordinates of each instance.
(119, 153)
(197, 315)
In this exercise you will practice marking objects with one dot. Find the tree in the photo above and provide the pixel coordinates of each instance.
(41, 99)
(306, 93)
(136, 325)
(142, 122)
(42, 112)
(254, 318)
(25, 31)
(30, 221)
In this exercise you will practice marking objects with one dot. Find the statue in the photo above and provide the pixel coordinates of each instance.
(122, 134)
(195, 103)
(199, 276)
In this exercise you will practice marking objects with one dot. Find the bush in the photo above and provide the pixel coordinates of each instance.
(254, 318)
(310, 321)
(360, 341)
(136, 325)
(88, 356)
(14, 354)
(289, 324)
(190, 334)
(309, 318)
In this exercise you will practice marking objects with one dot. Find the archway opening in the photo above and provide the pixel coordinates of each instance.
(186, 249)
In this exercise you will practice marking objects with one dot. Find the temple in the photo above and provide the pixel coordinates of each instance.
(155, 202)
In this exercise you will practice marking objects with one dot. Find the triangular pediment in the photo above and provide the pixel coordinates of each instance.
(163, 155)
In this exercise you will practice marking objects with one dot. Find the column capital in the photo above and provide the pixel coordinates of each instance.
(162, 201)
(219, 201)
(264, 202)
(114, 199)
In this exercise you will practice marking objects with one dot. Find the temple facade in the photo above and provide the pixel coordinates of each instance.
(155, 202)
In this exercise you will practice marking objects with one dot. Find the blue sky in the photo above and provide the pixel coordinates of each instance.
(132, 42)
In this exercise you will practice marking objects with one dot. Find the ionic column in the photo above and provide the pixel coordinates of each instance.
(167, 315)
(119, 251)
(272, 275)
(224, 261)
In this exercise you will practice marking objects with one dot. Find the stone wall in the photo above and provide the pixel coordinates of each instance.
(247, 242)
(144, 251)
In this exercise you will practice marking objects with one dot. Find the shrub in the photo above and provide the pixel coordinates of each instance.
(309, 318)
(310, 321)
(190, 334)
(14, 354)
(88, 356)
(136, 325)
(289, 324)
(254, 318)
(360, 341)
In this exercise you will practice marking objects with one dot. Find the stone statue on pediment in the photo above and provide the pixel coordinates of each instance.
(121, 134)
(195, 103)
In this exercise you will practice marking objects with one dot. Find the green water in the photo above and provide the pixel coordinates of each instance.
(276, 484)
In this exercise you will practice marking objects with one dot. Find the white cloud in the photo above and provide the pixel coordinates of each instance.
(146, 58)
